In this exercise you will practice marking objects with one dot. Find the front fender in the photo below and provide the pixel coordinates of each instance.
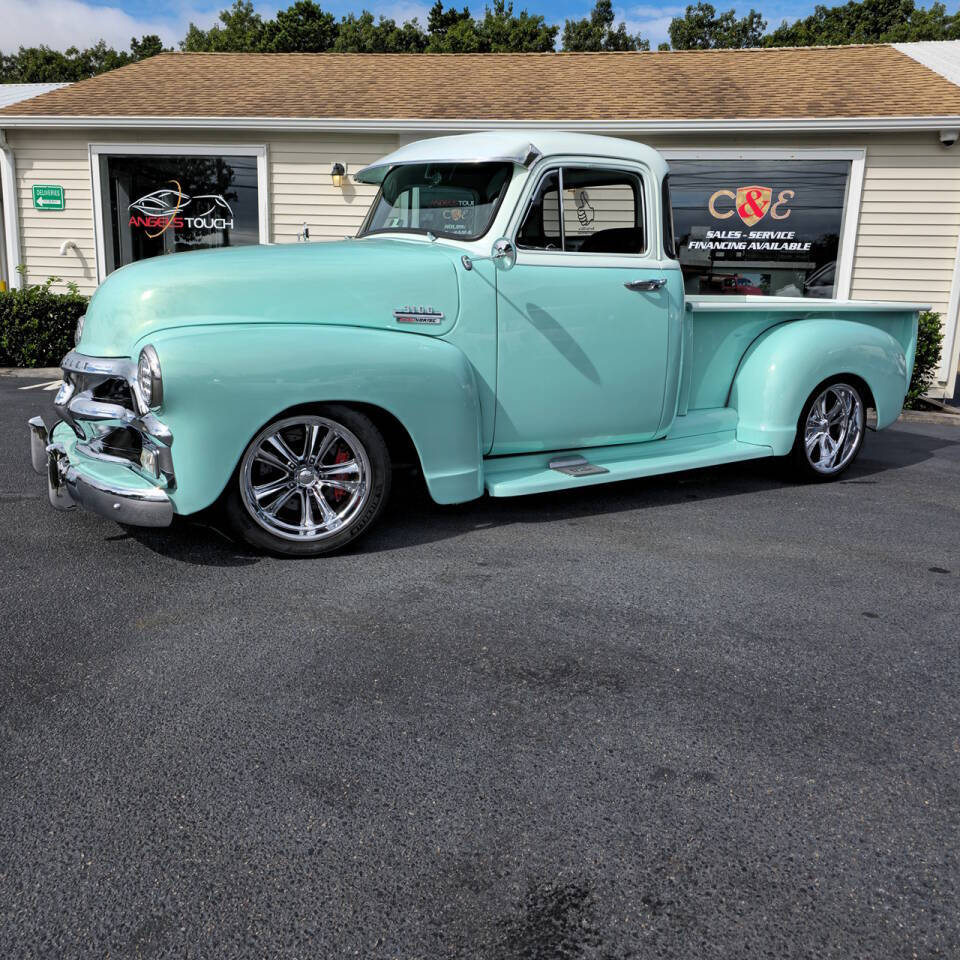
(222, 383)
(781, 367)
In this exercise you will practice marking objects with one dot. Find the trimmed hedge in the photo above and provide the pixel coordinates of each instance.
(37, 325)
(929, 342)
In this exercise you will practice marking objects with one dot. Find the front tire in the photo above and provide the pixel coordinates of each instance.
(310, 483)
(830, 430)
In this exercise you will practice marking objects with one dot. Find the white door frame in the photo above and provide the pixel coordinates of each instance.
(851, 200)
(3, 241)
(10, 220)
(96, 150)
(946, 371)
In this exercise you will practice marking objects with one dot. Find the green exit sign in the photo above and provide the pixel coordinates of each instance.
(47, 196)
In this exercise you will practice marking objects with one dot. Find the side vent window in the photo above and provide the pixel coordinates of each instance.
(669, 241)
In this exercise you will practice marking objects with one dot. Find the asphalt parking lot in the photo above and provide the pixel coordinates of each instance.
(702, 716)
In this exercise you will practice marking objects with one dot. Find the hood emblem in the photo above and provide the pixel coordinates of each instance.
(419, 314)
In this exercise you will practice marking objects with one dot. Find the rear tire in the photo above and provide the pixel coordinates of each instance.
(310, 483)
(830, 431)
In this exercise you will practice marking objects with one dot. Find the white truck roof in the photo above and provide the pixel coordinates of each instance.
(522, 147)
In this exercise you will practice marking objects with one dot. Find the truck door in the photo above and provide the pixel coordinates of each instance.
(584, 316)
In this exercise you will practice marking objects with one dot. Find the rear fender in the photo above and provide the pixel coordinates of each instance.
(780, 369)
(223, 383)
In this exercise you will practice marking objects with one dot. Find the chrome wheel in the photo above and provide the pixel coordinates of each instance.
(834, 428)
(305, 478)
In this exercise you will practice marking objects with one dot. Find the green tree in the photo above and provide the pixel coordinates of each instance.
(38, 65)
(499, 31)
(502, 31)
(43, 65)
(441, 21)
(365, 35)
(702, 28)
(868, 21)
(462, 37)
(241, 29)
(304, 27)
(596, 32)
(149, 45)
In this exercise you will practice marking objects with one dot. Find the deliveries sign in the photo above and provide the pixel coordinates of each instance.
(48, 196)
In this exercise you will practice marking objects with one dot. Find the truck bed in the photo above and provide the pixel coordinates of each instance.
(719, 330)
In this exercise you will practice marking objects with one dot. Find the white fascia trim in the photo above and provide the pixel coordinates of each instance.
(387, 125)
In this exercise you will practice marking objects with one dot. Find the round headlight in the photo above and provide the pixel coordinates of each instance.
(78, 333)
(149, 378)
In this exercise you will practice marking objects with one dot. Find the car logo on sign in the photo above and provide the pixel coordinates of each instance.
(753, 203)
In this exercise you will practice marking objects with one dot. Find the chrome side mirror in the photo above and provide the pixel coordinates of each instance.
(503, 254)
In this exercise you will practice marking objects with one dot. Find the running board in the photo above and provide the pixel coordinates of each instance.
(515, 476)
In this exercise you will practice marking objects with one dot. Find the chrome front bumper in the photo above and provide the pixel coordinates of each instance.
(126, 498)
(109, 453)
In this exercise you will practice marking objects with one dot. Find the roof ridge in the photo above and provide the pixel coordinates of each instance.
(518, 53)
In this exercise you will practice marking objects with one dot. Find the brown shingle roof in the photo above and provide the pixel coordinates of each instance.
(813, 82)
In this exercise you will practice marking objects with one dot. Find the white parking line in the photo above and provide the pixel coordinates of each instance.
(48, 385)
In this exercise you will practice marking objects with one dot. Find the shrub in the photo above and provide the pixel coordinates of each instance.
(929, 342)
(37, 324)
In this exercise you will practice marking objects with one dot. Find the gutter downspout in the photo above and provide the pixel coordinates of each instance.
(11, 222)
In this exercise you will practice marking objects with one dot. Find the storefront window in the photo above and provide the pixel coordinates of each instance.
(168, 204)
(759, 227)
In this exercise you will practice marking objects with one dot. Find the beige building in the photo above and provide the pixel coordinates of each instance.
(841, 161)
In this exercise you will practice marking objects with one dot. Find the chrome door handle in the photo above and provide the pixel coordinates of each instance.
(642, 285)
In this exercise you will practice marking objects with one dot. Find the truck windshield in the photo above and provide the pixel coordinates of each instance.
(457, 200)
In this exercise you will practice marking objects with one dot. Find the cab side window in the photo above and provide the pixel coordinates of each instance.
(586, 210)
(540, 229)
(603, 211)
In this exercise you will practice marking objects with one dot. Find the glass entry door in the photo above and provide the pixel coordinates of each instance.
(153, 205)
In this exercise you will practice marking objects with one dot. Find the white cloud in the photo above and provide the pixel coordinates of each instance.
(652, 22)
(64, 23)
(400, 10)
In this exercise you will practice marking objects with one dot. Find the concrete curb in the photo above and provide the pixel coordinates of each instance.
(929, 416)
(40, 373)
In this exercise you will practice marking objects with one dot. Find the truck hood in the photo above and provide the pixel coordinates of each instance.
(355, 283)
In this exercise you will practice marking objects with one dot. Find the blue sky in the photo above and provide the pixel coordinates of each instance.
(61, 23)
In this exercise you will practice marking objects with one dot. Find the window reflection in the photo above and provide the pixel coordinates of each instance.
(759, 228)
(154, 205)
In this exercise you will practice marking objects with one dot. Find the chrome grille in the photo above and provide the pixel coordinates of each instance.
(101, 403)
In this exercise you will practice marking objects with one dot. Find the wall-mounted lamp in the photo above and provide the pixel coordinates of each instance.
(337, 174)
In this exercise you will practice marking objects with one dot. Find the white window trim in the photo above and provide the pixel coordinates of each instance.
(851, 201)
(96, 150)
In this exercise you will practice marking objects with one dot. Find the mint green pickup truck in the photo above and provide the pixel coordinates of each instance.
(510, 319)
